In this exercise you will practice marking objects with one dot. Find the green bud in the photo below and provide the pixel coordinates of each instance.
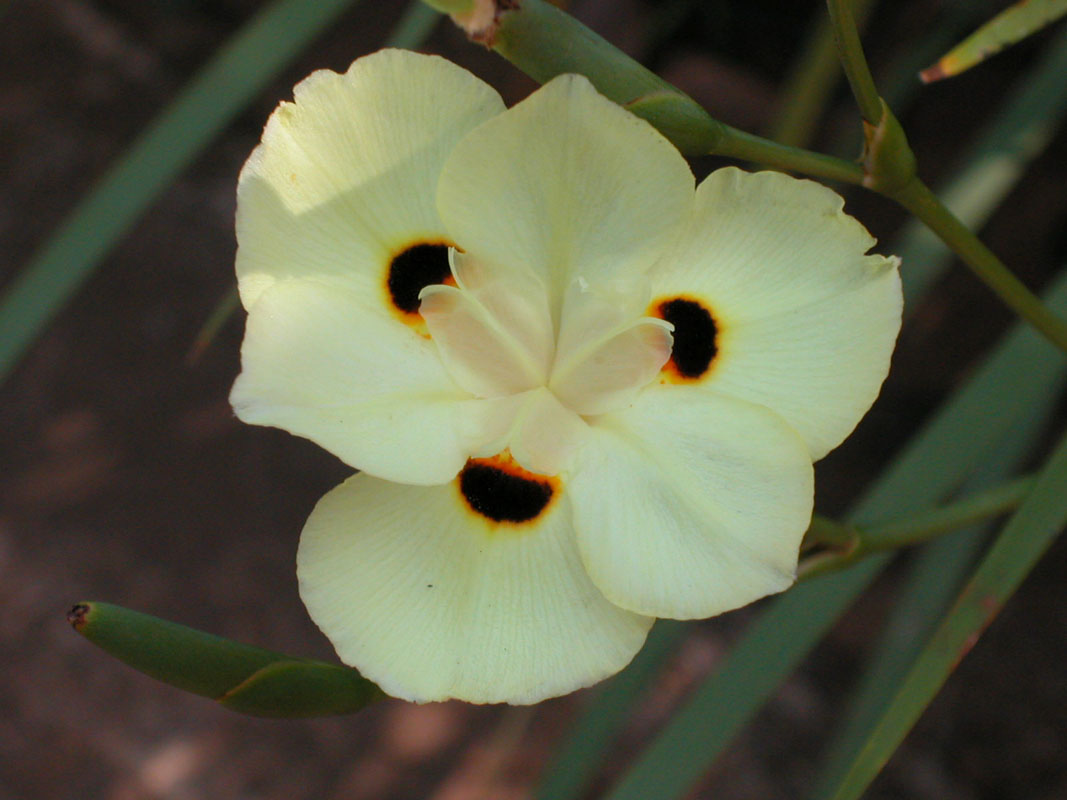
(241, 677)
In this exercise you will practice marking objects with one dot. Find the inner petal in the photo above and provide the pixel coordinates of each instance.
(482, 353)
(607, 373)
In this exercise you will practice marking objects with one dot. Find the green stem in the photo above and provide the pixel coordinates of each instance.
(811, 82)
(850, 51)
(749, 147)
(544, 42)
(917, 198)
(853, 543)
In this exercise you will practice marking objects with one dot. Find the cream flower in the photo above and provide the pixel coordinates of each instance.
(581, 393)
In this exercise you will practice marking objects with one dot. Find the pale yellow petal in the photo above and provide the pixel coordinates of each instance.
(805, 321)
(689, 504)
(346, 175)
(373, 393)
(431, 601)
(565, 184)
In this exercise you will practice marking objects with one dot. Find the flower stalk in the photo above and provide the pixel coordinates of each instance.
(834, 545)
(850, 50)
(544, 41)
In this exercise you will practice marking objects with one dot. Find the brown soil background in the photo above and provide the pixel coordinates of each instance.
(124, 476)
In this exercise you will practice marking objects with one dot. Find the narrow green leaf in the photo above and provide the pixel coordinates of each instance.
(812, 80)
(222, 88)
(241, 677)
(1006, 28)
(1022, 370)
(219, 316)
(567, 774)
(932, 582)
(993, 165)
(1017, 550)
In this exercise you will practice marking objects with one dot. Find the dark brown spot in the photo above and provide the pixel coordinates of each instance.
(76, 616)
(501, 491)
(695, 336)
(414, 269)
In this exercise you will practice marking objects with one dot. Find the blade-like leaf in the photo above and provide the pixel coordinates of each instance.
(932, 583)
(1025, 538)
(1022, 370)
(1006, 28)
(241, 677)
(993, 165)
(222, 88)
(599, 723)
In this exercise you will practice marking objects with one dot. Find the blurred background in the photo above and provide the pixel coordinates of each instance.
(125, 477)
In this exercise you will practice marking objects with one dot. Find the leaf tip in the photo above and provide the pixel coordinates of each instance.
(78, 615)
(933, 73)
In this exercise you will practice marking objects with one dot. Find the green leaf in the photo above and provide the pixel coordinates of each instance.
(1017, 550)
(236, 74)
(1006, 28)
(1022, 370)
(241, 677)
(993, 165)
(599, 723)
(933, 580)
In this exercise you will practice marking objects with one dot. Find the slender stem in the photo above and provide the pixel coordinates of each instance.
(846, 33)
(749, 147)
(911, 530)
(917, 198)
(812, 81)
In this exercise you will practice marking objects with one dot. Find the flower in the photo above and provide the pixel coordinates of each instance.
(581, 393)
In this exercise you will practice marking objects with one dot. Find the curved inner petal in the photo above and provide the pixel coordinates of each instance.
(610, 370)
(492, 340)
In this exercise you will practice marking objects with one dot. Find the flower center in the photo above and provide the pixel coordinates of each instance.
(498, 338)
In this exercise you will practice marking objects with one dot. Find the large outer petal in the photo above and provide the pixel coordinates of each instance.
(807, 322)
(689, 504)
(428, 600)
(365, 388)
(566, 184)
(346, 175)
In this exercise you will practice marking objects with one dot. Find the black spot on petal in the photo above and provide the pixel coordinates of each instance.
(695, 334)
(503, 492)
(415, 268)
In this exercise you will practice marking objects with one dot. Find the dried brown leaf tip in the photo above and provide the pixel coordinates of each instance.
(76, 616)
(482, 21)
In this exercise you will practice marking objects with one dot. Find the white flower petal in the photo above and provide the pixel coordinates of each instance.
(565, 184)
(806, 322)
(689, 504)
(372, 392)
(431, 601)
(346, 176)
